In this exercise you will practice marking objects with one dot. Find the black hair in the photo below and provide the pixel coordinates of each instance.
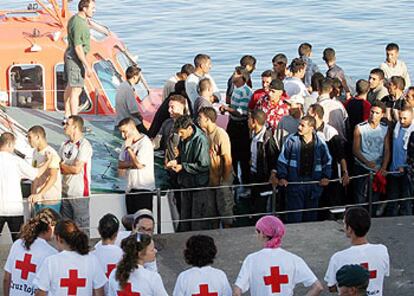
(358, 219)
(392, 46)
(398, 81)
(304, 49)
(84, 4)
(108, 226)
(316, 81)
(379, 104)
(297, 65)
(37, 225)
(362, 87)
(131, 246)
(183, 122)
(132, 71)
(209, 112)
(200, 59)
(379, 72)
(200, 250)
(69, 232)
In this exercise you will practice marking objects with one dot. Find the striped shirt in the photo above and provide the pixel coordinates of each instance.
(240, 99)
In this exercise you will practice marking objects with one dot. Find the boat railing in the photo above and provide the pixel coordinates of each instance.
(272, 209)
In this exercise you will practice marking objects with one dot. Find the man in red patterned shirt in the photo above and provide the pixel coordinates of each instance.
(267, 77)
(273, 104)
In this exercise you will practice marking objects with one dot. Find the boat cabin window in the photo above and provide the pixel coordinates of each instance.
(109, 78)
(85, 103)
(124, 60)
(27, 86)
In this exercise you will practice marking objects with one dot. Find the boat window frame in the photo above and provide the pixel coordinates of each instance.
(56, 90)
(99, 79)
(43, 83)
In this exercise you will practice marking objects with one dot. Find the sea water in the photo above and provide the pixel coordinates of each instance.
(168, 33)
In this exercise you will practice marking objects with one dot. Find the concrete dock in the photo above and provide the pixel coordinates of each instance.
(315, 242)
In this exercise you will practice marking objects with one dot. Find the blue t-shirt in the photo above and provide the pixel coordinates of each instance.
(399, 154)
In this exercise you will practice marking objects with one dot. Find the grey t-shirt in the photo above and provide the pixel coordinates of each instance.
(199, 103)
(126, 103)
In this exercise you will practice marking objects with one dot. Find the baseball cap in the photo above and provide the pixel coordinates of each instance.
(131, 219)
(276, 84)
(352, 275)
(297, 99)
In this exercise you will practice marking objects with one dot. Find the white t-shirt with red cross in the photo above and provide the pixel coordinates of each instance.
(69, 273)
(71, 153)
(200, 281)
(271, 271)
(23, 265)
(374, 257)
(108, 256)
(141, 282)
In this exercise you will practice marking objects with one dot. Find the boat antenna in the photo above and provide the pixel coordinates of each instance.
(54, 14)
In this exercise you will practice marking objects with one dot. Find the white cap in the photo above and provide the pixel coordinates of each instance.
(298, 99)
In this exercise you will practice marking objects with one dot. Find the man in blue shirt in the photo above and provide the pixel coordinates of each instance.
(398, 183)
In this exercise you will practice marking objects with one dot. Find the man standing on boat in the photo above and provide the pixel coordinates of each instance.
(76, 65)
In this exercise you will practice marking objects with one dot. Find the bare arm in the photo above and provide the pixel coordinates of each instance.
(228, 167)
(387, 151)
(316, 289)
(40, 293)
(81, 55)
(50, 182)
(6, 283)
(135, 164)
(71, 169)
(124, 165)
(98, 292)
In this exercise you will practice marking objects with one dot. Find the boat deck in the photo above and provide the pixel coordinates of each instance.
(102, 138)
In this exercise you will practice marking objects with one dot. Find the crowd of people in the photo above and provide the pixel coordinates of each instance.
(52, 257)
(307, 135)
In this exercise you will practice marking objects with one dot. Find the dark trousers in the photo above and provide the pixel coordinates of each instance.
(260, 195)
(14, 222)
(398, 187)
(360, 187)
(138, 199)
(239, 135)
(300, 197)
(77, 209)
(197, 204)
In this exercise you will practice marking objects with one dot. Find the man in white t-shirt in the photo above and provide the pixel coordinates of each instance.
(46, 189)
(373, 257)
(76, 164)
(294, 85)
(12, 170)
(202, 63)
(137, 160)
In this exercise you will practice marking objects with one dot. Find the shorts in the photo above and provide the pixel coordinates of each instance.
(74, 71)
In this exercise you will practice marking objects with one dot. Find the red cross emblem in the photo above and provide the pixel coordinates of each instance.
(275, 279)
(109, 269)
(127, 291)
(26, 266)
(204, 291)
(372, 273)
(73, 282)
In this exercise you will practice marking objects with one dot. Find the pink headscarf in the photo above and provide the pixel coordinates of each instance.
(272, 227)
